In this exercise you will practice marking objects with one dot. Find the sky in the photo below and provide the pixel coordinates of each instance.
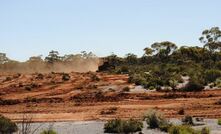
(34, 27)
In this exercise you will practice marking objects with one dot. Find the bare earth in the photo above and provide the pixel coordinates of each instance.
(94, 96)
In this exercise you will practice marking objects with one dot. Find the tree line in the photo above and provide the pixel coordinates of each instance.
(164, 63)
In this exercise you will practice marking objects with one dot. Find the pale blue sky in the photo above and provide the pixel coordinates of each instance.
(34, 27)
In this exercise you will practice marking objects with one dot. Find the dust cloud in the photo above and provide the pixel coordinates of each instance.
(67, 64)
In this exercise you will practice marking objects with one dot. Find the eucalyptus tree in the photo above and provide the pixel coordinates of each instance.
(163, 49)
(148, 51)
(211, 38)
(131, 58)
(53, 57)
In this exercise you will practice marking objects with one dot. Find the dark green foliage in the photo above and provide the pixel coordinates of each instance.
(219, 122)
(53, 57)
(211, 75)
(123, 126)
(7, 126)
(154, 119)
(123, 70)
(163, 64)
(183, 129)
(205, 130)
(193, 86)
(48, 132)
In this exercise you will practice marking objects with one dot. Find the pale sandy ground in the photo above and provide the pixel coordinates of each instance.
(96, 127)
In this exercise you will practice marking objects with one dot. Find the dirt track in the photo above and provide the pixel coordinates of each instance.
(94, 96)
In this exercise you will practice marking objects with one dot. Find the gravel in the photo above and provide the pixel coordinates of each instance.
(96, 127)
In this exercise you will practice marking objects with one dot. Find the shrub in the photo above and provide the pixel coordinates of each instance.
(182, 129)
(219, 122)
(155, 120)
(114, 126)
(7, 126)
(137, 79)
(188, 120)
(193, 86)
(48, 132)
(212, 75)
(123, 126)
(217, 83)
(123, 70)
(66, 77)
(165, 126)
(132, 125)
(205, 130)
(173, 83)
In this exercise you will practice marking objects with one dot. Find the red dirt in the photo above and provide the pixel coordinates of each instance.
(94, 96)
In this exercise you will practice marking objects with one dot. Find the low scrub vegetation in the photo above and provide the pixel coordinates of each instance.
(185, 129)
(205, 130)
(7, 126)
(164, 64)
(123, 126)
(193, 86)
(48, 132)
(155, 120)
(219, 122)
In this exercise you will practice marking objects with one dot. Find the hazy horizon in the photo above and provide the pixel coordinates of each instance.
(31, 28)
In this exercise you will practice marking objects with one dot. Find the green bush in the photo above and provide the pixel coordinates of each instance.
(205, 130)
(219, 122)
(193, 85)
(185, 129)
(123, 70)
(155, 120)
(217, 83)
(211, 75)
(137, 79)
(182, 129)
(123, 126)
(48, 132)
(7, 126)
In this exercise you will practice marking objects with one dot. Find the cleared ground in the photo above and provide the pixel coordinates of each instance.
(94, 96)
